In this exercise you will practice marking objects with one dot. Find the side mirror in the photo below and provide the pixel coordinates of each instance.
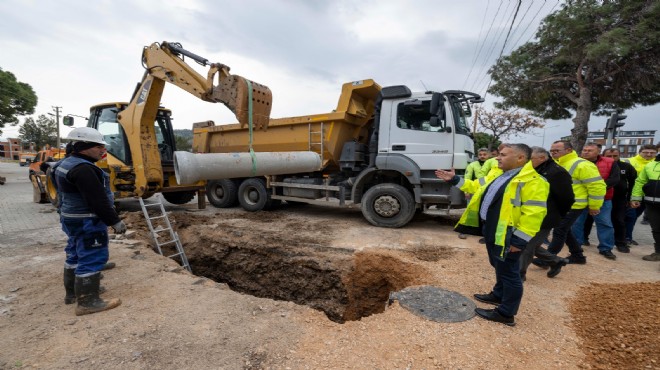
(67, 121)
(436, 102)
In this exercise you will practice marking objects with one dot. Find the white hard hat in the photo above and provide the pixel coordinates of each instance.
(86, 134)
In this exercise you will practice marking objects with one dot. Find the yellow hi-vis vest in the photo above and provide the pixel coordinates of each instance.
(638, 162)
(588, 187)
(471, 186)
(522, 212)
(487, 166)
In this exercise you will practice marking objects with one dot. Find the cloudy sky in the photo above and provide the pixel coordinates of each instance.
(78, 53)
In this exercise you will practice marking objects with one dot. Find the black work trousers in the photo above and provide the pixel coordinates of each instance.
(619, 207)
(653, 211)
(562, 233)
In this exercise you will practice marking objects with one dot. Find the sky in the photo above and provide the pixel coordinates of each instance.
(76, 53)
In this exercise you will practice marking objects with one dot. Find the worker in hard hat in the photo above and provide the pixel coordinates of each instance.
(86, 211)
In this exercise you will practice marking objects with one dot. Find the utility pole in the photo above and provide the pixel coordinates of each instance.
(57, 122)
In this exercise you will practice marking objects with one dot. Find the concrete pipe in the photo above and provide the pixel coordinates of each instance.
(190, 168)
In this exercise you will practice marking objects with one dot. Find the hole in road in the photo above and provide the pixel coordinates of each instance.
(294, 263)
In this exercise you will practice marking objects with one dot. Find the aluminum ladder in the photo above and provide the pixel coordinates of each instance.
(174, 237)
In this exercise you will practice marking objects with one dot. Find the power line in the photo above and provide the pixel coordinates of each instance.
(484, 40)
(522, 19)
(528, 25)
(490, 51)
(475, 55)
(504, 45)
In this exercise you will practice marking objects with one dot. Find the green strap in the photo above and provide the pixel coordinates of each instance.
(254, 158)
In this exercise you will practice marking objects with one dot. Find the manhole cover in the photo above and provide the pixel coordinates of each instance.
(435, 304)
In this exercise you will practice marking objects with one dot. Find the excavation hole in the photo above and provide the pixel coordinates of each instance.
(293, 261)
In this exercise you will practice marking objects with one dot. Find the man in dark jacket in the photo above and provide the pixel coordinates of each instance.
(621, 199)
(86, 211)
(559, 202)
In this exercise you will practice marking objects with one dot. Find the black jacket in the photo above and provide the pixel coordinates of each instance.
(561, 197)
(623, 189)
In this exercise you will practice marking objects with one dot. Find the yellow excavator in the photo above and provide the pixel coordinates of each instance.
(140, 136)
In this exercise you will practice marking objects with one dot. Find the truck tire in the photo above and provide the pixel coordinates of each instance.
(388, 205)
(253, 195)
(179, 197)
(51, 189)
(222, 193)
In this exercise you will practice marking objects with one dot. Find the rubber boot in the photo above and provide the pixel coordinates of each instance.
(87, 294)
(69, 286)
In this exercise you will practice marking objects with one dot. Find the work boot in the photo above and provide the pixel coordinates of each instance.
(652, 257)
(556, 268)
(577, 260)
(87, 294)
(108, 266)
(623, 248)
(69, 286)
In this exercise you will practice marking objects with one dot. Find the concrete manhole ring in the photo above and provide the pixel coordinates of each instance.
(434, 303)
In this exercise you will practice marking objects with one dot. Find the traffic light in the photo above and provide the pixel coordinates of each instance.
(614, 121)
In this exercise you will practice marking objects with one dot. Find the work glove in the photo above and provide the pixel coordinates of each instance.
(119, 227)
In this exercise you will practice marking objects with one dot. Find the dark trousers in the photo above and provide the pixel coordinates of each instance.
(632, 214)
(508, 283)
(535, 248)
(562, 234)
(619, 221)
(653, 213)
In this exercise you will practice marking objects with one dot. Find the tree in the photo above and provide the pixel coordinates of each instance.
(484, 140)
(16, 99)
(592, 56)
(41, 132)
(501, 124)
(183, 139)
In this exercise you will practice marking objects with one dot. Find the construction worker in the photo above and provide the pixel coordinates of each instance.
(589, 190)
(472, 170)
(86, 210)
(645, 156)
(621, 198)
(508, 211)
(490, 163)
(647, 190)
(609, 172)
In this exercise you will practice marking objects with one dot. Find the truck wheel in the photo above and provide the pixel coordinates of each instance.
(222, 193)
(253, 195)
(179, 197)
(388, 205)
(51, 189)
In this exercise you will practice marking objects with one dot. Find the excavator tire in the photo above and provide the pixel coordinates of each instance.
(388, 205)
(51, 189)
(222, 193)
(179, 197)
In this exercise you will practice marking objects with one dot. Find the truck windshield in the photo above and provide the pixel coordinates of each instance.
(460, 118)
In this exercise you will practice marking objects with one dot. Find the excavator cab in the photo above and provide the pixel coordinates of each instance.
(104, 117)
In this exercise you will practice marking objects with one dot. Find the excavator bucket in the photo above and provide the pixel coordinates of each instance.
(235, 93)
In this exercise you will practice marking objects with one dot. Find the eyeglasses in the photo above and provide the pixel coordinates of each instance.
(556, 150)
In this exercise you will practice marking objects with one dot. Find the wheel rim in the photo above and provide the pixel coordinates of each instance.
(219, 192)
(387, 206)
(252, 196)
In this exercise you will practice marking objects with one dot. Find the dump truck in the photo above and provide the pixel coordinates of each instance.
(378, 150)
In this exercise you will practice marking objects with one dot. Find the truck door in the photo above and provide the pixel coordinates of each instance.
(411, 135)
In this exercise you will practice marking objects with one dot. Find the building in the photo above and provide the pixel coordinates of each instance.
(628, 142)
(13, 147)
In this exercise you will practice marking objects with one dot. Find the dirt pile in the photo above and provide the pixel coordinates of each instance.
(619, 324)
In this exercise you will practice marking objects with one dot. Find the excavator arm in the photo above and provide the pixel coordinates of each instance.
(164, 63)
